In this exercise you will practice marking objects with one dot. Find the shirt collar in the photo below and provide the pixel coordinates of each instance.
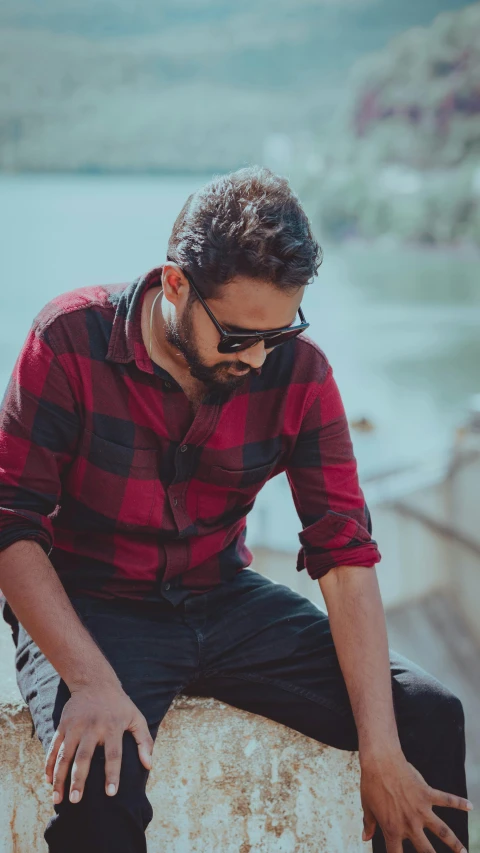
(126, 342)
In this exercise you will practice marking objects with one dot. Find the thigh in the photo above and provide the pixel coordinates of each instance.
(271, 651)
(152, 651)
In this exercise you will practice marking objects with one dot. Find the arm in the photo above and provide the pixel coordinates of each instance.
(339, 551)
(357, 623)
(322, 472)
(39, 429)
(393, 792)
(98, 711)
(35, 594)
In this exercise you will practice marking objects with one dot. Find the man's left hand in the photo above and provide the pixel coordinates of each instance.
(395, 795)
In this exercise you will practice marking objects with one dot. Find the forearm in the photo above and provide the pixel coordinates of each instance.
(39, 601)
(357, 622)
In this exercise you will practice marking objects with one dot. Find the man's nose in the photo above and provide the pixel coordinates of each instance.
(253, 356)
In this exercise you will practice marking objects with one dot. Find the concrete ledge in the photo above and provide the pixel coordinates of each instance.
(223, 780)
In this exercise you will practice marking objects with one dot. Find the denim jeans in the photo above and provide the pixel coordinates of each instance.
(253, 644)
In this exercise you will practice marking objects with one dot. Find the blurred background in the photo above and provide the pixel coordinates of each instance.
(111, 113)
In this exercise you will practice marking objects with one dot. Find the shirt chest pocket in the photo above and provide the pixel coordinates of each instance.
(227, 494)
(114, 485)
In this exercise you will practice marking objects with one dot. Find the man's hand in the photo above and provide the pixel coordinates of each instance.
(98, 711)
(395, 795)
(94, 716)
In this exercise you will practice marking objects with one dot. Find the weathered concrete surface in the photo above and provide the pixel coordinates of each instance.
(223, 780)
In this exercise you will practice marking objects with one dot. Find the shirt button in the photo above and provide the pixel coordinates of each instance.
(168, 384)
(175, 501)
(184, 447)
(167, 586)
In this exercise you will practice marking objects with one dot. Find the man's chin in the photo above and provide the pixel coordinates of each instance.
(227, 382)
(222, 379)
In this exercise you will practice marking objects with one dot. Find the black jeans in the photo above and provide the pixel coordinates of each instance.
(253, 644)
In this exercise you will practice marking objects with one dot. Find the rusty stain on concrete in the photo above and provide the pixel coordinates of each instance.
(222, 779)
(13, 829)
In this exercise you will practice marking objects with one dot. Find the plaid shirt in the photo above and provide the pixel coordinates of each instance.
(104, 465)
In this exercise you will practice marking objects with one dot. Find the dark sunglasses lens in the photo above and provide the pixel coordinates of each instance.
(281, 338)
(236, 344)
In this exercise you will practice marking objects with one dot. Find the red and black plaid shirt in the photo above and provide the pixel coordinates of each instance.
(102, 465)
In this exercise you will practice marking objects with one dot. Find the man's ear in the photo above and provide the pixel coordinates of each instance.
(174, 283)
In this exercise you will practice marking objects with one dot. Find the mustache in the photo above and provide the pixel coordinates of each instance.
(231, 365)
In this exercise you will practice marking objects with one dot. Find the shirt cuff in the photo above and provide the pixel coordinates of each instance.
(336, 540)
(14, 527)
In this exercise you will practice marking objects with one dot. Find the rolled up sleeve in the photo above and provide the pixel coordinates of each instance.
(323, 477)
(38, 435)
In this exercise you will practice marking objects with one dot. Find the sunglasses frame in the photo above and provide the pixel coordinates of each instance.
(259, 335)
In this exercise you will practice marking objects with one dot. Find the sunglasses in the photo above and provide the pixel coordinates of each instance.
(243, 339)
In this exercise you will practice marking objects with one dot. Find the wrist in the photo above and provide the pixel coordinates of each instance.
(101, 679)
(374, 754)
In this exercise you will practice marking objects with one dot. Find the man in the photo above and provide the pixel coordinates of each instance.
(139, 425)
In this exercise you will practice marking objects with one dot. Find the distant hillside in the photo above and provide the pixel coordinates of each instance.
(403, 155)
(178, 85)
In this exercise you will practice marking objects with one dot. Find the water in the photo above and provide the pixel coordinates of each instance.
(400, 327)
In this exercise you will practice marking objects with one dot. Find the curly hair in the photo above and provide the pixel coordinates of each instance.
(246, 223)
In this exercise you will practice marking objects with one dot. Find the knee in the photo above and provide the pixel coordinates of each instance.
(450, 711)
(425, 706)
(439, 705)
(440, 735)
(100, 823)
(437, 724)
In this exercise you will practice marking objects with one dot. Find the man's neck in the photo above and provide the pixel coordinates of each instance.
(165, 356)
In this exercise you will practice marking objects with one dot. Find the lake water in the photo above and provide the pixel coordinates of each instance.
(400, 326)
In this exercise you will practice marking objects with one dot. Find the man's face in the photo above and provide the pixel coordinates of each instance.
(244, 304)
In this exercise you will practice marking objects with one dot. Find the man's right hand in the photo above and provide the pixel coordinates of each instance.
(95, 715)
(99, 710)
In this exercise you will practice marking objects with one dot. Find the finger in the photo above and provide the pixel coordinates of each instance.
(80, 768)
(368, 834)
(140, 731)
(445, 833)
(394, 846)
(62, 764)
(369, 824)
(113, 763)
(441, 798)
(421, 843)
(51, 756)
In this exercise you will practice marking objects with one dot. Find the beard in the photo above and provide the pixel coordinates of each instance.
(215, 378)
